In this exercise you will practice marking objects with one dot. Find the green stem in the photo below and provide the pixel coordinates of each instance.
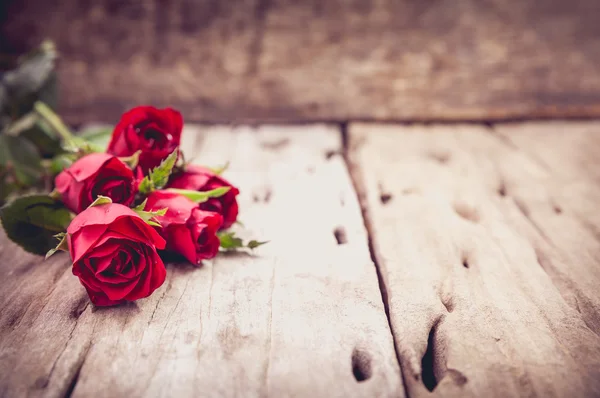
(54, 120)
(55, 194)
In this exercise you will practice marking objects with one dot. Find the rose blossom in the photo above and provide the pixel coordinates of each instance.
(199, 178)
(187, 229)
(114, 254)
(156, 132)
(92, 175)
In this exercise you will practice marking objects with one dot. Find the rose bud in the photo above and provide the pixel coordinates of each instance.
(96, 174)
(114, 254)
(199, 178)
(188, 230)
(156, 132)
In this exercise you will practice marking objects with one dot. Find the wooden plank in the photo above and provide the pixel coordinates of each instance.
(301, 317)
(282, 60)
(486, 295)
(565, 209)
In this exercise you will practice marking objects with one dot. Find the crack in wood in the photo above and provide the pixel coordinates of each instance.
(46, 380)
(520, 205)
(508, 143)
(269, 341)
(167, 288)
(212, 283)
(77, 373)
(358, 186)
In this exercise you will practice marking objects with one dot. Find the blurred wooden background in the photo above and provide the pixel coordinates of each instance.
(335, 60)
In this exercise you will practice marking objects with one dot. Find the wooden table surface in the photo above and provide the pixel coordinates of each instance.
(405, 261)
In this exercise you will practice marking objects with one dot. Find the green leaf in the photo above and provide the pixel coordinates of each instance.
(230, 242)
(219, 170)
(44, 138)
(58, 126)
(62, 245)
(61, 162)
(200, 196)
(22, 124)
(33, 78)
(159, 176)
(97, 138)
(7, 185)
(141, 206)
(253, 244)
(101, 200)
(20, 156)
(32, 221)
(133, 160)
(149, 216)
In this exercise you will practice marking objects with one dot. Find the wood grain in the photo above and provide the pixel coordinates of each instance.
(488, 258)
(303, 316)
(282, 60)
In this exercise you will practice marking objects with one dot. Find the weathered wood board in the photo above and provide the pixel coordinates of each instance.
(486, 239)
(302, 317)
(257, 60)
(488, 262)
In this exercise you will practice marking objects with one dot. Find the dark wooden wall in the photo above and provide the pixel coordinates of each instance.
(283, 60)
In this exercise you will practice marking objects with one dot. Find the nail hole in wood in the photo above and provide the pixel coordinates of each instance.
(274, 145)
(465, 261)
(502, 189)
(557, 209)
(385, 198)
(467, 212)
(262, 197)
(361, 365)
(330, 153)
(427, 372)
(440, 157)
(340, 235)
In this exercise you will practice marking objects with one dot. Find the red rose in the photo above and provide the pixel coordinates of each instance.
(93, 175)
(114, 254)
(156, 132)
(198, 178)
(188, 230)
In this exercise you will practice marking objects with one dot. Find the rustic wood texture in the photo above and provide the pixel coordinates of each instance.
(284, 60)
(487, 242)
(302, 317)
(487, 245)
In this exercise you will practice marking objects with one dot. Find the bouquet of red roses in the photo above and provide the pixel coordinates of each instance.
(120, 211)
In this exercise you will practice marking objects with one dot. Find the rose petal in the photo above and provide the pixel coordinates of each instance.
(179, 208)
(100, 215)
(82, 240)
(180, 241)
